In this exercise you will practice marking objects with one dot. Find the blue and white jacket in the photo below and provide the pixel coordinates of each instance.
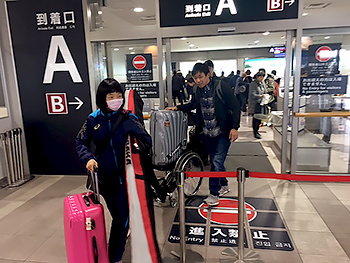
(111, 162)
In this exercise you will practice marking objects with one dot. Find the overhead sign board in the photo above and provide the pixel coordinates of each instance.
(51, 64)
(199, 12)
(278, 52)
(139, 67)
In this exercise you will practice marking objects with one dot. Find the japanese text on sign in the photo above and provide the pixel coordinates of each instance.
(197, 10)
(55, 20)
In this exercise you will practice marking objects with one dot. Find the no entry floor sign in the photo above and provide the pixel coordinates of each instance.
(268, 230)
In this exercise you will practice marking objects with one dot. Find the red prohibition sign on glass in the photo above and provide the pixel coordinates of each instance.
(139, 62)
(225, 216)
(323, 54)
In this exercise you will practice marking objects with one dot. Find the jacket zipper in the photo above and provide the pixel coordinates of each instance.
(115, 156)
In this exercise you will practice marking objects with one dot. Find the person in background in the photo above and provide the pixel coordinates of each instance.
(242, 91)
(218, 117)
(233, 80)
(178, 83)
(257, 89)
(189, 86)
(270, 89)
(230, 75)
(189, 75)
(248, 77)
(110, 158)
(276, 78)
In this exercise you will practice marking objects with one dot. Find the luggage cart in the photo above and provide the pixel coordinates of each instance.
(179, 158)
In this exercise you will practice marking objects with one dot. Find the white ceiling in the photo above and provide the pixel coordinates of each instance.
(123, 10)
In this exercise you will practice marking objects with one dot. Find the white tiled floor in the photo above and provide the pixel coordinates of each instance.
(317, 216)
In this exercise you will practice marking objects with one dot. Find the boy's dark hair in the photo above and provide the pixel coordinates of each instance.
(107, 86)
(200, 67)
(209, 63)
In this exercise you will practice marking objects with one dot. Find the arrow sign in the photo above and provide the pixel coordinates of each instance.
(290, 2)
(78, 102)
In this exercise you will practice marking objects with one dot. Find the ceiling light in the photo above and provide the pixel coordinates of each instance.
(327, 37)
(256, 41)
(283, 37)
(130, 48)
(184, 38)
(246, 58)
(138, 9)
(266, 33)
(99, 12)
(304, 14)
(191, 45)
(133, 52)
(116, 49)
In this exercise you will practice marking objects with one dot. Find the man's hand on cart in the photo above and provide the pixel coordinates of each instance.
(171, 108)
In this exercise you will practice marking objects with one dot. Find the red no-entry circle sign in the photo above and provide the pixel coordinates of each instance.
(226, 216)
(139, 62)
(324, 53)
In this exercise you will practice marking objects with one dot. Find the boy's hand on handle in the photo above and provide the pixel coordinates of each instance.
(171, 108)
(91, 165)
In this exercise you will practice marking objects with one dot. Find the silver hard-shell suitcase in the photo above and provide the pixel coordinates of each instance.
(169, 135)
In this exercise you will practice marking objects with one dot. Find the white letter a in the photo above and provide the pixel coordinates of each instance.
(230, 4)
(58, 42)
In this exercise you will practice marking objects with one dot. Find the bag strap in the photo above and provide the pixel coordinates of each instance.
(103, 144)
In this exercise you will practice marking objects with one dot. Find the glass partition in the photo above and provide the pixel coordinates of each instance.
(323, 142)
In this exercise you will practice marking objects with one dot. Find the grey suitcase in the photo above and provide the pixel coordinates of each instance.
(169, 135)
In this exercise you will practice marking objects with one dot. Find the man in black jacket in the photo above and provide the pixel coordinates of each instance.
(218, 117)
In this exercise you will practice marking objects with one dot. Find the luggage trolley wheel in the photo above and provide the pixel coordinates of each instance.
(190, 161)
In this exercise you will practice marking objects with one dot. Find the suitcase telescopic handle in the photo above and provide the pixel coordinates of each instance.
(94, 184)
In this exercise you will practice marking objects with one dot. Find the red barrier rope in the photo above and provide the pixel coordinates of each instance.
(291, 177)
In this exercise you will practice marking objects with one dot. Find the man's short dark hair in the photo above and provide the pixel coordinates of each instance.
(200, 67)
(238, 72)
(260, 74)
(209, 63)
(107, 86)
(263, 70)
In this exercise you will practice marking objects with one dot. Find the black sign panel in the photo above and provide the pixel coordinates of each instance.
(323, 60)
(270, 239)
(227, 237)
(50, 56)
(199, 12)
(195, 235)
(144, 89)
(324, 85)
(139, 67)
(225, 234)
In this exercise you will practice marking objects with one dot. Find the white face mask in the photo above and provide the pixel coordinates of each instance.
(115, 105)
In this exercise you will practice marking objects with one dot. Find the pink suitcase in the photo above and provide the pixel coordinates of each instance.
(84, 228)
